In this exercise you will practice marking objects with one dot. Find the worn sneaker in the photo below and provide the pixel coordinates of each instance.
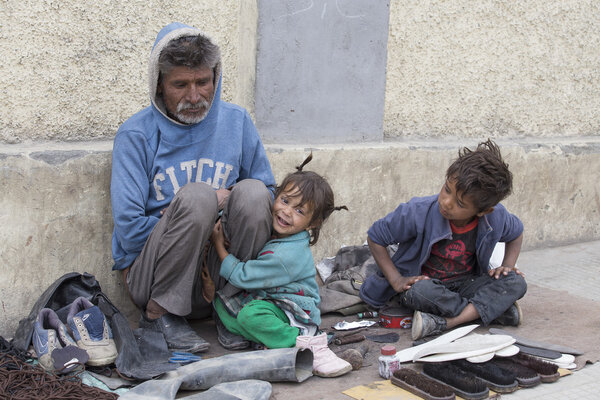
(178, 334)
(227, 339)
(91, 331)
(511, 317)
(424, 324)
(56, 351)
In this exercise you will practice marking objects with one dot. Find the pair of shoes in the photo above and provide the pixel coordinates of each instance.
(227, 339)
(91, 331)
(424, 324)
(56, 350)
(325, 363)
(178, 334)
(511, 317)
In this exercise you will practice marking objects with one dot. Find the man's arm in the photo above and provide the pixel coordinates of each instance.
(129, 192)
(387, 267)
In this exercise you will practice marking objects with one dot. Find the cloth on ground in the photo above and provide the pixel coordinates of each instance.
(351, 266)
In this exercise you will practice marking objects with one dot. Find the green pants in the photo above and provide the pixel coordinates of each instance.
(261, 322)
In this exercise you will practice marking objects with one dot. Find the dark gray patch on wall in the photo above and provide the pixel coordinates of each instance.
(320, 70)
(55, 157)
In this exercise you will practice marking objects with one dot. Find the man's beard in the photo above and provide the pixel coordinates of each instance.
(181, 117)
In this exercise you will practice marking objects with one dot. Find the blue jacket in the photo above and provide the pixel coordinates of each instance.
(154, 156)
(283, 273)
(416, 226)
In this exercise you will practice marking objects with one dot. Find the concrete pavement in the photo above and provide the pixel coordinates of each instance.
(545, 268)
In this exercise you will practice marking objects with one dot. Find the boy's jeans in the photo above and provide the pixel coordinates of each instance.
(490, 296)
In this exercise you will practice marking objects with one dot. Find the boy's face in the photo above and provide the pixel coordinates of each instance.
(288, 217)
(457, 208)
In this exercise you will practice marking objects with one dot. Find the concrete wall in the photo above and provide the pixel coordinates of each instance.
(457, 72)
(75, 70)
(466, 68)
(320, 71)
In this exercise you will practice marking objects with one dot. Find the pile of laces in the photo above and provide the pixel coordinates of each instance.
(22, 381)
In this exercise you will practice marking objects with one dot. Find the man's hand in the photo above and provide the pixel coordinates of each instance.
(222, 196)
(503, 271)
(403, 283)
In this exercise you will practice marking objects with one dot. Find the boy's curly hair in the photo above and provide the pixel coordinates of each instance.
(482, 175)
(315, 192)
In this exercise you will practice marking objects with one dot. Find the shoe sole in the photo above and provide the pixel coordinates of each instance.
(195, 349)
(417, 326)
(335, 374)
(519, 312)
(99, 362)
(236, 346)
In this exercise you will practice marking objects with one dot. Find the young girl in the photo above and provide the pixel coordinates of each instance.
(278, 304)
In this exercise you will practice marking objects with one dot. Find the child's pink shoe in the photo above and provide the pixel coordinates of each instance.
(325, 363)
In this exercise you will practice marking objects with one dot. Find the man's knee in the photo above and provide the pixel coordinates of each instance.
(250, 198)
(190, 194)
(196, 201)
(251, 190)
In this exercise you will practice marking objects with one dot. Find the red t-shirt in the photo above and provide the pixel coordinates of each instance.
(451, 258)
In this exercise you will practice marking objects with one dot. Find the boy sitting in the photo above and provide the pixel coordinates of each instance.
(445, 241)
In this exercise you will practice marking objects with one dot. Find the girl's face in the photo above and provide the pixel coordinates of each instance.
(288, 217)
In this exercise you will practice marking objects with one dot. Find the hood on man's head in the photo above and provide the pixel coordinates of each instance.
(173, 31)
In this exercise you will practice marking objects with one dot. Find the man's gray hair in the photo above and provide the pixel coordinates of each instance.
(189, 51)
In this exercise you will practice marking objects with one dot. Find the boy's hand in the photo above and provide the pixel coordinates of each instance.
(503, 271)
(405, 282)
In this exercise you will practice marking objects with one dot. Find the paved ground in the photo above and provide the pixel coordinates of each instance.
(542, 268)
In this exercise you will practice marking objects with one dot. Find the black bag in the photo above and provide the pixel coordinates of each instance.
(143, 358)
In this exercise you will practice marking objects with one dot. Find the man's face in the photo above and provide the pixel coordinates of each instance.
(187, 93)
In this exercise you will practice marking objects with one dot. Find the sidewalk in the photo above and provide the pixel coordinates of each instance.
(546, 268)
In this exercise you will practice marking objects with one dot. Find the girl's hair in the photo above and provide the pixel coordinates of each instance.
(315, 192)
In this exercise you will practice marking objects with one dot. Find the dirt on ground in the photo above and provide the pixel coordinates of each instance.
(549, 316)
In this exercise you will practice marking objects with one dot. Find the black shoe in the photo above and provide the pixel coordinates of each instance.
(178, 334)
(227, 339)
(511, 317)
(424, 324)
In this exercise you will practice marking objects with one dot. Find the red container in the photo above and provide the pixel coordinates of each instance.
(395, 317)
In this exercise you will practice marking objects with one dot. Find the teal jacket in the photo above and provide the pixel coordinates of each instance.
(284, 273)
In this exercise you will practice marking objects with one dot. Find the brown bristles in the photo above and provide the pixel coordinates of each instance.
(526, 376)
(420, 385)
(540, 366)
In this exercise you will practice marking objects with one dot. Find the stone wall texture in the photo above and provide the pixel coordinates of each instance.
(493, 68)
(74, 70)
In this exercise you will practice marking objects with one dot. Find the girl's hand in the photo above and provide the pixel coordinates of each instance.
(217, 237)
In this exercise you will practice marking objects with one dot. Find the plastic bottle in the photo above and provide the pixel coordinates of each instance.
(368, 314)
(388, 362)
